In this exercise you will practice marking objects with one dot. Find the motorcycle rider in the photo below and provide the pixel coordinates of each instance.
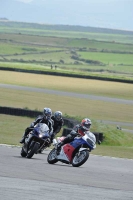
(58, 123)
(78, 130)
(45, 118)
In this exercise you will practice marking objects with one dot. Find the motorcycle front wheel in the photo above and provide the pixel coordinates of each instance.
(52, 157)
(32, 150)
(80, 158)
(23, 153)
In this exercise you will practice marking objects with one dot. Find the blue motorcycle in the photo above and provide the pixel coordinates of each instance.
(36, 141)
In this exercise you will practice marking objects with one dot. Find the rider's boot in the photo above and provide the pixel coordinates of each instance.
(27, 130)
(59, 148)
(23, 138)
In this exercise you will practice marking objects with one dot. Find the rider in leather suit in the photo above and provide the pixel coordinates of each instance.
(79, 129)
(58, 123)
(45, 118)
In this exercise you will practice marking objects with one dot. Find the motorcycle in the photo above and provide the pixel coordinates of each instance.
(75, 153)
(36, 141)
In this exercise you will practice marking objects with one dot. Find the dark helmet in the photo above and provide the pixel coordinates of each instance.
(86, 123)
(47, 112)
(58, 115)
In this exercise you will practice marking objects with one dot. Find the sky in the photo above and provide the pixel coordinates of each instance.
(114, 14)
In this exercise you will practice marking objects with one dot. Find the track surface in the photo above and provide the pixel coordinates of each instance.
(34, 179)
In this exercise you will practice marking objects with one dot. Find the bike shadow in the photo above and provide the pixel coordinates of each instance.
(63, 165)
(27, 158)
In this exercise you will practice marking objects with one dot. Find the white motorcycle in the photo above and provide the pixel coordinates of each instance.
(75, 152)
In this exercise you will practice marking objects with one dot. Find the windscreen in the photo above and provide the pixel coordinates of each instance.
(43, 128)
(91, 136)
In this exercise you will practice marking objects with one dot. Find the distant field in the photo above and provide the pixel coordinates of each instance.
(122, 38)
(109, 58)
(41, 41)
(42, 57)
(14, 48)
(68, 53)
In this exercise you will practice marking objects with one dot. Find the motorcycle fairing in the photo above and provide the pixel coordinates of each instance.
(77, 142)
(44, 135)
(62, 156)
(68, 150)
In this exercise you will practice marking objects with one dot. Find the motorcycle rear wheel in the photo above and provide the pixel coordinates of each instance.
(80, 158)
(33, 150)
(52, 157)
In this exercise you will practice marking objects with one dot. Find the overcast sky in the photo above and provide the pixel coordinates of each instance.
(116, 14)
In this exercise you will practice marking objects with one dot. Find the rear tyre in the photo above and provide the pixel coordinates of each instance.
(52, 157)
(23, 153)
(33, 150)
(80, 158)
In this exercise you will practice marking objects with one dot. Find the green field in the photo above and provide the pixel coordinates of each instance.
(74, 49)
(65, 31)
(109, 58)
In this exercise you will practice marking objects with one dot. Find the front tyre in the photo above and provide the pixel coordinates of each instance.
(23, 153)
(33, 150)
(52, 157)
(80, 158)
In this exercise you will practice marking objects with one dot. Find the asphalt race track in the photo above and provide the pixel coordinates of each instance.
(34, 179)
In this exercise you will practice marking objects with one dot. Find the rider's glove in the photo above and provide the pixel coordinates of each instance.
(73, 133)
(32, 125)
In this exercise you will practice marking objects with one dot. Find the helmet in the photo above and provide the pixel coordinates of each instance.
(86, 123)
(47, 112)
(58, 115)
